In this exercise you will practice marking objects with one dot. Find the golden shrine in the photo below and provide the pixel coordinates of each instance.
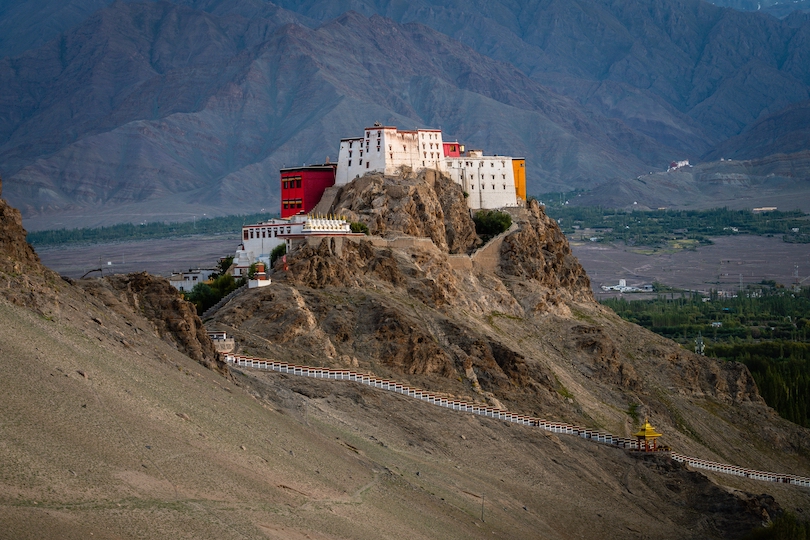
(647, 434)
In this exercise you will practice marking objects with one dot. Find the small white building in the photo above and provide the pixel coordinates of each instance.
(185, 281)
(259, 240)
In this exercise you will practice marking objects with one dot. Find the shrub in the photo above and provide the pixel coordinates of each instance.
(359, 227)
(489, 223)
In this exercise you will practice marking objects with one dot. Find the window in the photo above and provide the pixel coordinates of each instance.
(245, 233)
(361, 153)
(472, 186)
(264, 233)
(493, 186)
(350, 153)
(431, 146)
(366, 164)
(275, 233)
(389, 147)
(404, 148)
(368, 134)
(251, 233)
(289, 229)
(286, 205)
(298, 204)
(504, 186)
(491, 164)
(350, 163)
(482, 186)
(378, 149)
(431, 155)
(350, 145)
(361, 162)
(504, 176)
(392, 156)
(493, 177)
(298, 183)
(423, 164)
(379, 133)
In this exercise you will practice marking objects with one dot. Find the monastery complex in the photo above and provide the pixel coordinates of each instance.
(488, 182)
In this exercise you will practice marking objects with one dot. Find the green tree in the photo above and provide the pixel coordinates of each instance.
(203, 297)
(277, 252)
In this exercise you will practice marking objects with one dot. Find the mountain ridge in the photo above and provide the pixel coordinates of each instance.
(165, 136)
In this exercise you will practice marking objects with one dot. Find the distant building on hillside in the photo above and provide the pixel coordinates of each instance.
(185, 281)
(675, 165)
(303, 187)
(488, 181)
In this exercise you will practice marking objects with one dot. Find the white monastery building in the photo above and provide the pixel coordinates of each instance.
(385, 149)
(489, 181)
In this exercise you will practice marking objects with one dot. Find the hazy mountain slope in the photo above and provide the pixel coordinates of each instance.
(679, 70)
(784, 132)
(190, 107)
(185, 107)
(775, 180)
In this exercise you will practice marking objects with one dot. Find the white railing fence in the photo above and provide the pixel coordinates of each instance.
(501, 414)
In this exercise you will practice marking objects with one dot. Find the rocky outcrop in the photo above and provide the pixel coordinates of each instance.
(427, 205)
(23, 279)
(173, 319)
(539, 251)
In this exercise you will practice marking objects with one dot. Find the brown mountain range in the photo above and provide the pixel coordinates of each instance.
(147, 111)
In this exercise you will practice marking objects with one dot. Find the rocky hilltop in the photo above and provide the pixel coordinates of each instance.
(512, 323)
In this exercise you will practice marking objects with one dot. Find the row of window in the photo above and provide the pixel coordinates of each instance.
(367, 162)
(288, 184)
(481, 164)
(291, 203)
(483, 186)
(248, 234)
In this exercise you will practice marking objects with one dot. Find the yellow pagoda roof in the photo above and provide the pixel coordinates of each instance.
(648, 432)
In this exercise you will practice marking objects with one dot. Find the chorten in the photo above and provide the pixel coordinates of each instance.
(647, 434)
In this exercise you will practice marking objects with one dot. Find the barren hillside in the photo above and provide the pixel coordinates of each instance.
(110, 428)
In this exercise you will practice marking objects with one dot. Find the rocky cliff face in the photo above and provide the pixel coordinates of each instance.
(174, 320)
(23, 279)
(426, 205)
(539, 251)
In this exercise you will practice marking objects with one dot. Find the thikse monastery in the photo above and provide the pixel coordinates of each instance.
(488, 182)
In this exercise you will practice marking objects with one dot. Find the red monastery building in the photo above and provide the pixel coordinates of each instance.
(303, 187)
